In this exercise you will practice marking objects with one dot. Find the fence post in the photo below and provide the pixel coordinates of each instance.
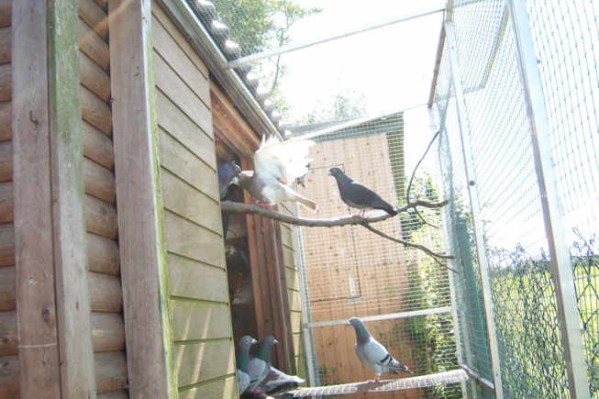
(474, 205)
(561, 267)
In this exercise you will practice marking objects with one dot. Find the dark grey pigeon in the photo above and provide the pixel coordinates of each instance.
(278, 382)
(243, 360)
(358, 196)
(373, 353)
(226, 173)
(259, 366)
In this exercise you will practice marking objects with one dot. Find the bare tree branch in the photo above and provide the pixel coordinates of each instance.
(238, 207)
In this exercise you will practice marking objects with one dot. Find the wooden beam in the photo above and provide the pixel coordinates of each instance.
(142, 252)
(38, 339)
(70, 249)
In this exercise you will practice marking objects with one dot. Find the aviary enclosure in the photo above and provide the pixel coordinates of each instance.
(126, 272)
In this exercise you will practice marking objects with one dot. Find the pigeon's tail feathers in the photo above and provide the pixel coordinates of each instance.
(390, 210)
(395, 366)
(293, 195)
(385, 206)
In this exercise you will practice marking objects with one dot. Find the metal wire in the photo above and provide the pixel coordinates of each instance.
(523, 289)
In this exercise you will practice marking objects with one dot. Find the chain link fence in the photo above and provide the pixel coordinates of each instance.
(512, 289)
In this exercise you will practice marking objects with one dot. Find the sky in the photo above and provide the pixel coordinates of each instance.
(391, 67)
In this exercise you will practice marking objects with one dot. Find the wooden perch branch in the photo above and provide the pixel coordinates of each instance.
(238, 207)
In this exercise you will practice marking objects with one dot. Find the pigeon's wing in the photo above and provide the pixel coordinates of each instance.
(278, 381)
(378, 356)
(361, 354)
(290, 194)
(282, 160)
(243, 380)
(258, 370)
(359, 196)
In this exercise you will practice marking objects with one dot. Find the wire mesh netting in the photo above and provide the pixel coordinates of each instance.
(402, 293)
(500, 311)
(514, 241)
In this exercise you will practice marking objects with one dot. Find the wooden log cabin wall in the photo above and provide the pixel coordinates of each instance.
(113, 276)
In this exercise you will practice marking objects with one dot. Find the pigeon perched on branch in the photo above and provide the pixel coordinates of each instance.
(243, 359)
(277, 382)
(277, 164)
(358, 196)
(259, 366)
(373, 353)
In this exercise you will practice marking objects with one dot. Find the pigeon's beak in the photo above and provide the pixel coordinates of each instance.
(254, 342)
(274, 341)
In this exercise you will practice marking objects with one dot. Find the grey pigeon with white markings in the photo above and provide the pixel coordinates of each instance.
(277, 382)
(358, 196)
(243, 359)
(259, 365)
(373, 353)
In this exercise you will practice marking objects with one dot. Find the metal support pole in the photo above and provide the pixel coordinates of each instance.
(459, 335)
(561, 267)
(474, 205)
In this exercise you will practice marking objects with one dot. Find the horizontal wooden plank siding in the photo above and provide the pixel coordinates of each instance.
(203, 353)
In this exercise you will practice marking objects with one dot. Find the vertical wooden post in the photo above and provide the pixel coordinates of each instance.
(561, 266)
(36, 307)
(70, 247)
(470, 173)
(143, 267)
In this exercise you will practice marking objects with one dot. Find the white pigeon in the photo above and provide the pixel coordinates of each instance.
(259, 366)
(373, 353)
(277, 382)
(243, 359)
(277, 164)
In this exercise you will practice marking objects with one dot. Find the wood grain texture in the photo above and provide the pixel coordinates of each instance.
(99, 181)
(195, 280)
(179, 93)
(5, 13)
(6, 164)
(120, 394)
(105, 292)
(198, 362)
(184, 200)
(94, 78)
(38, 352)
(174, 121)
(5, 45)
(9, 377)
(5, 121)
(111, 371)
(94, 46)
(108, 332)
(225, 388)
(6, 77)
(9, 338)
(6, 203)
(140, 241)
(102, 255)
(70, 252)
(200, 321)
(178, 38)
(97, 146)
(94, 16)
(8, 288)
(95, 111)
(100, 218)
(7, 245)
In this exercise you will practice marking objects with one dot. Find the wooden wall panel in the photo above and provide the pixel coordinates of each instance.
(9, 363)
(204, 349)
(108, 329)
